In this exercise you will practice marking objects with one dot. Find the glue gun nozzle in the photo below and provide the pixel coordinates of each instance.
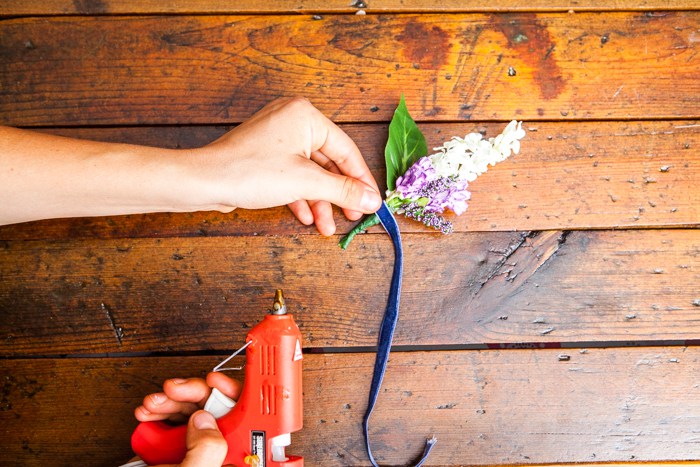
(278, 307)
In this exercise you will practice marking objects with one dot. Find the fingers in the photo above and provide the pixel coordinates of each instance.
(342, 150)
(346, 192)
(333, 150)
(315, 212)
(324, 187)
(228, 386)
(323, 217)
(158, 407)
(302, 211)
(180, 398)
(329, 165)
(193, 390)
(206, 446)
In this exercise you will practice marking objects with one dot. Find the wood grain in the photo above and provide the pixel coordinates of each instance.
(220, 69)
(111, 7)
(557, 326)
(489, 407)
(469, 290)
(567, 176)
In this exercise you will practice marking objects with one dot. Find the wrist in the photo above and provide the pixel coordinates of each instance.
(126, 179)
(202, 180)
(135, 179)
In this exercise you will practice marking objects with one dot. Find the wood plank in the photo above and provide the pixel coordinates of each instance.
(490, 407)
(568, 176)
(111, 7)
(473, 290)
(221, 69)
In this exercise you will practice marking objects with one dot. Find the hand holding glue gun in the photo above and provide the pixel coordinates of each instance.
(183, 399)
(258, 427)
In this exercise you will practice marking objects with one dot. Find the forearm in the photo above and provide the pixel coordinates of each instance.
(44, 176)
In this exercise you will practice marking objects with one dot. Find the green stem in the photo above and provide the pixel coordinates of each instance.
(368, 222)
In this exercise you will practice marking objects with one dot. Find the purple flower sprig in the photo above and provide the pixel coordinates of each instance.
(423, 195)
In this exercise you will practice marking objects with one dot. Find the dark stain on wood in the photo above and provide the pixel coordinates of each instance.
(16, 388)
(531, 40)
(426, 47)
(90, 7)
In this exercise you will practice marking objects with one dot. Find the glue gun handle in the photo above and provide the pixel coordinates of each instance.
(160, 443)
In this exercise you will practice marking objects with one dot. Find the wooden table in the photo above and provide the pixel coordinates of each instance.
(559, 323)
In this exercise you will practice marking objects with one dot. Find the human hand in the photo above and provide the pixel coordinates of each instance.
(181, 398)
(289, 153)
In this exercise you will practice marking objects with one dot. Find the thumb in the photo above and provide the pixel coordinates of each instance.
(206, 446)
(346, 192)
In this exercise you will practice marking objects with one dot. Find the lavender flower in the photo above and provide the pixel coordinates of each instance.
(421, 194)
(416, 178)
(420, 214)
(447, 193)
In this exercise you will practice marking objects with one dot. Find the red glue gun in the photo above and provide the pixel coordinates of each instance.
(269, 409)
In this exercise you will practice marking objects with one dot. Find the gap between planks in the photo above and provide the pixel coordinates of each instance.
(262, 7)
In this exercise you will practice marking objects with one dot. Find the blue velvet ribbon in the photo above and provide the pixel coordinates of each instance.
(386, 331)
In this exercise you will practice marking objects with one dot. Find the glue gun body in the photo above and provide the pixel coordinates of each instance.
(269, 409)
(270, 406)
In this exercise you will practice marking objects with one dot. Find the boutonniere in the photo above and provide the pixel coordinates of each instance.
(422, 186)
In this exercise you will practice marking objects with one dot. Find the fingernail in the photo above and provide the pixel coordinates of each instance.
(204, 421)
(178, 380)
(370, 200)
(158, 398)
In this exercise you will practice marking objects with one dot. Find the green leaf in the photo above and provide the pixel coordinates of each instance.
(406, 144)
